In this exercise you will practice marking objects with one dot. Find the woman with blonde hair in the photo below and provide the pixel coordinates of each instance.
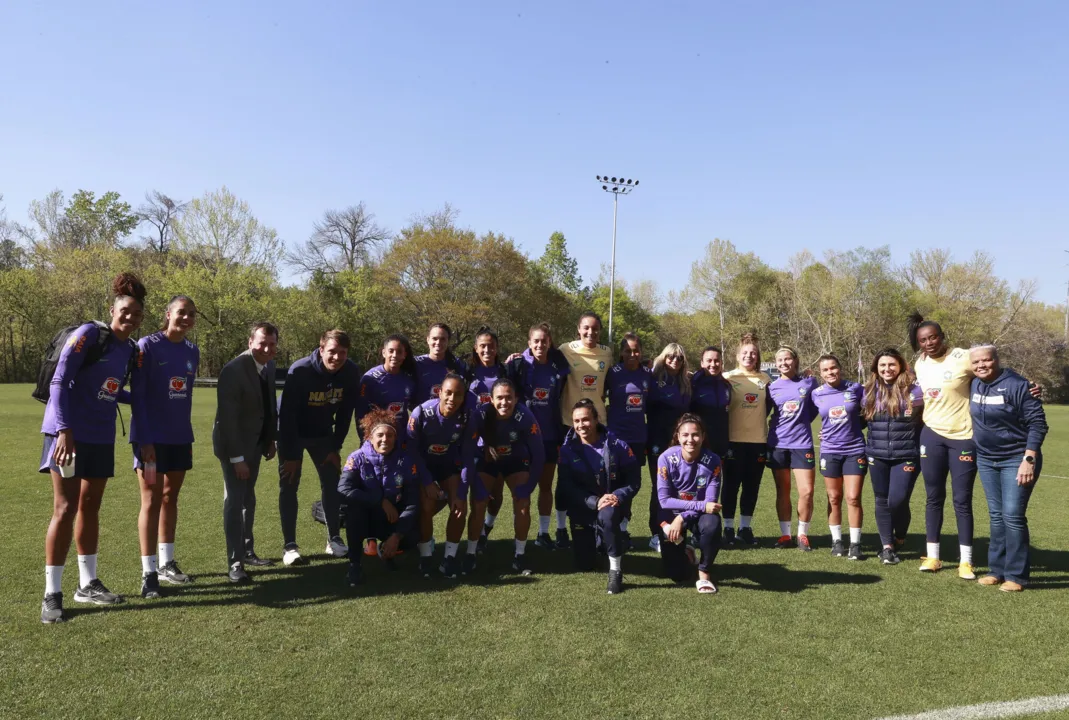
(668, 399)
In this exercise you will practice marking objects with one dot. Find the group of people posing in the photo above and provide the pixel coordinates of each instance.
(441, 432)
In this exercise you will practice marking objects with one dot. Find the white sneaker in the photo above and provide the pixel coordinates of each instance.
(336, 548)
(292, 556)
(655, 544)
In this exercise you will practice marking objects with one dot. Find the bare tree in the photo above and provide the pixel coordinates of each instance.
(342, 240)
(160, 212)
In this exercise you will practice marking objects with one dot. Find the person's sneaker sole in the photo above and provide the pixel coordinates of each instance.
(95, 600)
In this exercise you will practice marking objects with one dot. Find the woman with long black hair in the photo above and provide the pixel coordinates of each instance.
(669, 398)
(79, 442)
(439, 361)
(711, 399)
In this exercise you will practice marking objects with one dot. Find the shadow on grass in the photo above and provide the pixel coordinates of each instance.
(1049, 561)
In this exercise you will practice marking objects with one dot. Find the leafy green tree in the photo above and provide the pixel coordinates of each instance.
(219, 229)
(561, 269)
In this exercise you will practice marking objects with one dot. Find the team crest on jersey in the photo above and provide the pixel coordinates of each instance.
(802, 391)
(513, 436)
(703, 480)
(189, 366)
(108, 389)
(848, 396)
(590, 380)
(948, 375)
(837, 413)
(601, 364)
(178, 387)
(399, 480)
(395, 407)
(456, 436)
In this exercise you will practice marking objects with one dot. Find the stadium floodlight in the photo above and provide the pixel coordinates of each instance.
(617, 186)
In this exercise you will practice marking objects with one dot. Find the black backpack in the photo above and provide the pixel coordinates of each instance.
(55, 348)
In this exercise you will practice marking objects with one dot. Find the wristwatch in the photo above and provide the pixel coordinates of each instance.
(1030, 459)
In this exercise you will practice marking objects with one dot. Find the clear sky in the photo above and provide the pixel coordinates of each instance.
(777, 125)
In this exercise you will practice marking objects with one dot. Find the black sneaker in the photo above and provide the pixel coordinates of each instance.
(745, 537)
(563, 543)
(545, 542)
(837, 549)
(170, 573)
(254, 560)
(519, 564)
(450, 567)
(96, 593)
(467, 565)
(52, 608)
(854, 553)
(889, 557)
(483, 538)
(616, 582)
(729, 536)
(356, 574)
(426, 566)
(150, 586)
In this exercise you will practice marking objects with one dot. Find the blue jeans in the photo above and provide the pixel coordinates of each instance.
(1008, 556)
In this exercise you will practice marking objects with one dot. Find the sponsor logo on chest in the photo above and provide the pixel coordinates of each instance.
(178, 388)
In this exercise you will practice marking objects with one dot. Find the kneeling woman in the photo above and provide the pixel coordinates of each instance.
(598, 476)
(688, 485)
(510, 452)
(380, 488)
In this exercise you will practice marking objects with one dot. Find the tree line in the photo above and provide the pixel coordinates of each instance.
(55, 269)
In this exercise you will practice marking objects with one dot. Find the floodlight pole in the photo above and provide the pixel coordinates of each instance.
(618, 187)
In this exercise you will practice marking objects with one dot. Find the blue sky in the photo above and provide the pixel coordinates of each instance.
(777, 125)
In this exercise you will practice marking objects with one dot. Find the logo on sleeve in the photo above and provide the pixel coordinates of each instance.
(179, 388)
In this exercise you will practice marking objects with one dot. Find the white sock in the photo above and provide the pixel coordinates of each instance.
(744, 521)
(490, 519)
(836, 533)
(933, 550)
(521, 547)
(425, 548)
(615, 563)
(855, 535)
(785, 528)
(624, 524)
(803, 528)
(166, 553)
(729, 523)
(451, 548)
(148, 564)
(966, 553)
(53, 579)
(473, 546)
(543, 524)
(562, 519)
(87, 569)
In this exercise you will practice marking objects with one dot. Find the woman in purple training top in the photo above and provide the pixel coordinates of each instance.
(79, 444)
(627, 387)
(161, 432)
(688, 490)
(790, 445)
(669, 399)
(439, 361)
(486, 369)
(842, 451)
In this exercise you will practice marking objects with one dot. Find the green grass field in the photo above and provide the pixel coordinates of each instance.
(790, 634)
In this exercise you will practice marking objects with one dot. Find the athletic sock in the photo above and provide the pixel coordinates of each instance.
(425, 548)
(451, 548)
(490, 520)
(803, 528)
(744, 521)
(624, 524)
(562, 519)
(53, 579)
(166, 553)
(543, 524)
(785, 528)
(87, 569)
(836, 533)
(855, 535)
(933, 551)
(966, 553)
(521, 547)
(473, 546)
(729, 523)
(148, 564)
(615, 564)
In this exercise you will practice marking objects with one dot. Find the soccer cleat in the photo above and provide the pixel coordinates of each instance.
(965, 571)
(837, 549)
(784, 541)
(467, 565)
(1011, 586)
(854, 553)
(150, 586)
(745, 537)
(519, 564)
(931, 565)
(729, 536)
(356, 574)
(616, 582)
(563, 543)
(889, 557)
(52, 608)
(990, 580)
(426, 566)
(336, 548)
(803, 543)
(655, 543)
(371, 547)
(545, 542)
(450, 567)
(172, 575)
(291, 555)
(96, 593)
(254, 560)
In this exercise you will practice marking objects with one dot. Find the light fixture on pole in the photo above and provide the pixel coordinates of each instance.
(617, 186)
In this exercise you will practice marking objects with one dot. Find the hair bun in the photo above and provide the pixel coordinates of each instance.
(127, 285)
(750, 337)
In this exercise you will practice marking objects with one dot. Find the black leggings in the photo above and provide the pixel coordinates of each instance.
(892, 484)
(744, 465)
(940, 456)
(706, 530)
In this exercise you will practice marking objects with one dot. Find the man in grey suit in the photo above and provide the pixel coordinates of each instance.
(246, 424)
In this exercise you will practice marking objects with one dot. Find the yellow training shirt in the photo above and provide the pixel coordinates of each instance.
(587, 379)
(748, 411)
(945, 384)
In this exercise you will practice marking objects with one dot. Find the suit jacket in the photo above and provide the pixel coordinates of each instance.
(239, 413)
